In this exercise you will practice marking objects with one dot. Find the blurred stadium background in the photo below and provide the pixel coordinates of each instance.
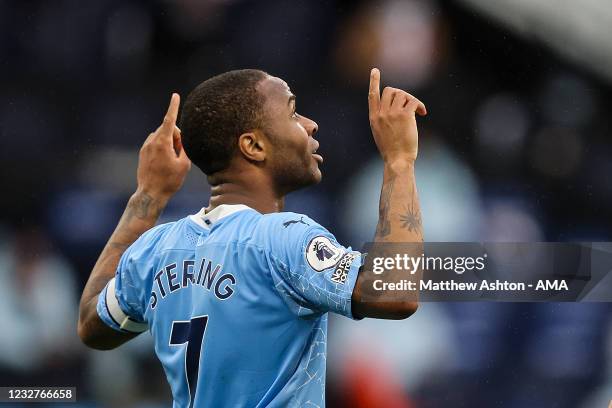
(516, 147)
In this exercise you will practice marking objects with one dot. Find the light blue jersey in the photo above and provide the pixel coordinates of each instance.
(237, 304)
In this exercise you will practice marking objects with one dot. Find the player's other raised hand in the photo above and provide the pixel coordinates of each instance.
(393, 122)
(162, 163)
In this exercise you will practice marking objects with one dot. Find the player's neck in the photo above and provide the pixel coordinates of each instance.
(254, 193)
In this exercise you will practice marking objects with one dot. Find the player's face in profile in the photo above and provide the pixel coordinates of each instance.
(292, 159)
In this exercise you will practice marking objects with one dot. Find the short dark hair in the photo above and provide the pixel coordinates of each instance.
(216, 113)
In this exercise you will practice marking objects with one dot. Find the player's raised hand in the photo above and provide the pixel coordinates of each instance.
(393, 122)
(162, 163)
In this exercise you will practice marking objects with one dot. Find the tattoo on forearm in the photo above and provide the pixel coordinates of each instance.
(142, 207)
(411, 219)
(120, 246)
(384, 224)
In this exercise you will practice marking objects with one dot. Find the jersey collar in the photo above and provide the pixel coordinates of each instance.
(207, 219)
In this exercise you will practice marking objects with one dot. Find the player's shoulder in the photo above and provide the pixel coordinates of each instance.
(295, 239)
(169, 234)
(289, 222)
(156, 233)
(287, 230)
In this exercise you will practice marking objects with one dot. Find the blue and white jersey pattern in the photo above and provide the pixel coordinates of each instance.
(237, 304)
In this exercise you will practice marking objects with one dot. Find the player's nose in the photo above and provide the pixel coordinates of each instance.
(310, 126)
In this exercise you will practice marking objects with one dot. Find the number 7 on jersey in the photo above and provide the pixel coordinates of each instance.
(190, 332)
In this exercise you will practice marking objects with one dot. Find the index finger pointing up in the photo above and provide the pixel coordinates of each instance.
(374, 93)
(171, 115)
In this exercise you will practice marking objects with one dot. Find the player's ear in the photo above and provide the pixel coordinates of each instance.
(252, 145)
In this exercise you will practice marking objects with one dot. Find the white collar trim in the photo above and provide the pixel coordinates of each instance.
(206, 220)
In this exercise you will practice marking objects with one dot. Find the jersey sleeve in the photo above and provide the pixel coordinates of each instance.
(311, 271)
(122, 303)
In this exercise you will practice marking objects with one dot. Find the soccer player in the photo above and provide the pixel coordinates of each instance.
(236, 296)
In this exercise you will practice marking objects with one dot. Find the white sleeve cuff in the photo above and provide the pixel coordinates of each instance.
(116, 313)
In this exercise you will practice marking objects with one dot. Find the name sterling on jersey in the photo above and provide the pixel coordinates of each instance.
(167, 280)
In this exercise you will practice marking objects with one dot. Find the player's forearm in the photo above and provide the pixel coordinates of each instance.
(141, 213)
(399, 218)
(399, 222)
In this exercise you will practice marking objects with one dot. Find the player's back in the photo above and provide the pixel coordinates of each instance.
(237, 304)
